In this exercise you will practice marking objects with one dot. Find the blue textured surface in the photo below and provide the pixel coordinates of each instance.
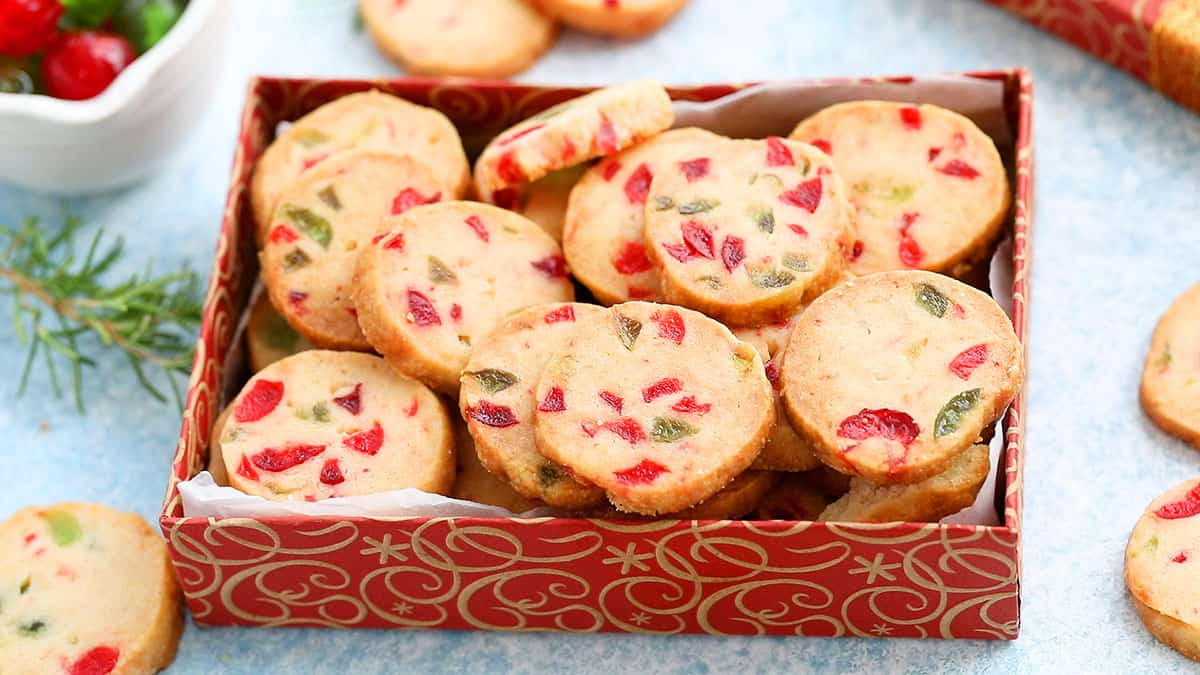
(1117, 237)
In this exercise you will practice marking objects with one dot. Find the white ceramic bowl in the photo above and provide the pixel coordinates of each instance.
(120, 136)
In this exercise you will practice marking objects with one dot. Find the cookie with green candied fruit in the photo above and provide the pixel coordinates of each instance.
(1170, 390)
(269, 337)
(891, 375)
(928, 187)
(60, 567)
(497, 401)
(659, 406)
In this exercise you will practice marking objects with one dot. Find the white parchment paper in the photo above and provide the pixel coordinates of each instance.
(755, 112)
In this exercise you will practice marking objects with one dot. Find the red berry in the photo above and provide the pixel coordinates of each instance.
(910, 117)
(28, 26)
(688, 404)
(81, 65)
(698, 238)
(628, 429)
(959, 169)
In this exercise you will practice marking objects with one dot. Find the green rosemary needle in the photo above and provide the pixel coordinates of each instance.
(63, 305)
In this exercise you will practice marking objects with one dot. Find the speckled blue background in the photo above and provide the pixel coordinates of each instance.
(1117, 237)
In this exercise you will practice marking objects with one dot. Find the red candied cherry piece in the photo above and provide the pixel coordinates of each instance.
(313, 161)
(331, 473)
(1184, 508)
(611, 170)
(282, 234)
(508, 169)
(670, 325)
(694, 169)
(698, 238)
(421, 309)
(778, 153)
(96, 661)
(733, 252)
(606, 136)
(455, 312)
(367, 442)
(409, 198)
(806, 195)
(688, 404)
(910, 251)
(81, 65)
(959, 169)
(615, 402)
(564, 313)
(664, 387)
(554, 266)
(883, 423)
(259, 401)
(772, 369)
(412, 409)
(1181, 557)
(638, 184)
(628, 429)
(524, 132)
(910, 117)
(822, 145)
(473, 221)
(396, 243)
(856, 250)
(798, 229)
(352, 401)
(296, 300)
(679, 252)
(553, 402)
(933, 153)
(492, 415)
(282, 459)
(246, 469)
(968, 360)
(631, 259)
(644, 472)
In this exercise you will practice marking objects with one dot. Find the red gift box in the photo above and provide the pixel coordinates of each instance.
(570, 574)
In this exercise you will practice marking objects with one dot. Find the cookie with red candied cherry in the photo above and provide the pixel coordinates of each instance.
(593, 125)
(474, 483)
(619, 18)
(604, 236)
(441, 277)
(471, 38)
(320, 223)
(269, 337)
(892, 375)
(659, 406)
(747, 231)
(785, 450)
(369, 120)
(927, 501)
(497, 401)
(544, 201)
(1162, 568)
(60, 566)
(1170, 390)
(927, 186)
(323, 424)
(794, 497)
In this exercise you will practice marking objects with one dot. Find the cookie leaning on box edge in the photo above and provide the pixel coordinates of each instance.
(474, 483)
(600, 123)
(320, 223)
(747, 231)
(928, 187)
(930, 500)
(59, 568)
(269, 337)
(658, 405)
(627, 18)
(604, 235)
(471, 38)
(443, 276)
(323, 424)
(1162, 568)
(366, 120)
(1170, 390)
(497, 401)
(891, 375)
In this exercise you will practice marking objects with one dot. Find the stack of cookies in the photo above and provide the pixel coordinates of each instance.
(766, 327)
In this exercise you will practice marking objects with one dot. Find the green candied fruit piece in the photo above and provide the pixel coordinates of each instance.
(698, 206)
(494, 380)
(950, 418)
(1164, 359)
(295, 259)
(775, 181)
(550, 474)
(315, 227)
(743, 358)
(663, 203)
(670, 429)
(797, 262)
(319, 412)
(769, 278)
(311, 137)
(329, 196)
(628, 330)
(764, 219)
(934, 301)
(32, 628)
(901, 193)
(711, 281)
(64, 527)
(24, 587)
(440, 273)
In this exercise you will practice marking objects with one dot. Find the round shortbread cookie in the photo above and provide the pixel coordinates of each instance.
(323, 424)
(471, 38)
(545, 200)
(785, 450)
(604, 236)
(1162, 568)
(216, 463)
(658, 405)
(269, 337)
(891, 375)
(794, 497)
(1170, 391)
(747, 231)
(319, 225)
(368, 120)
(474, 483)
(928, 501)
(928, 187)
(620, 18)
(600, 123)
(61, 570)
(497, 401)
(441, 277)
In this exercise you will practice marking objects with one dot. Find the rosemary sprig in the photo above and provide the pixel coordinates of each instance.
(62, 306)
